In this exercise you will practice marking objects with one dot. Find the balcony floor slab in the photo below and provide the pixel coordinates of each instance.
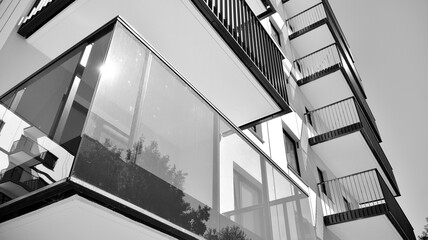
(76, 218)
(348, 154)
(377, 227)
(313, 40)
(327, 89)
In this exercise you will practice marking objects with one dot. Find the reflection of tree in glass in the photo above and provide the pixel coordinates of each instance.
(152, 184)
(227, 233)
(150, 158)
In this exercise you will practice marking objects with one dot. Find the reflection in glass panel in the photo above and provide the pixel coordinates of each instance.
(289, 207)
(40, 99)
(42, 120)
(151, 135)
(152, 141)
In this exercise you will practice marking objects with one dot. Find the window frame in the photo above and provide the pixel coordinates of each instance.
(321, 179)
(257, 131)
(275, 33)
(296, 157)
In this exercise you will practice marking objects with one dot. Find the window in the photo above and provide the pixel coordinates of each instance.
(248, 201)
(1, 121)
(257, 131)
(321, 179)
(291, 153)
(275, 34)
(308, 117)
(299, 67)
(347, 204)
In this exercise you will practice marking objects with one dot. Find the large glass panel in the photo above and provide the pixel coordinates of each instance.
(289, 207)
(152, 141)
(42, 120)
(151, 136)
(241, 187)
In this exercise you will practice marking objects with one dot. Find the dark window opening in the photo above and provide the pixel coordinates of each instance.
(309, 117)
(1, 124)
(291, 153)
(275, 34)
(257, 131)
(322, 180)
(347, 204)
(299, 67)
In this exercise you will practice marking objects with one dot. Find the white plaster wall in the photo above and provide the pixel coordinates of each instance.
(18, 60)
(295, 125)
(10, 14)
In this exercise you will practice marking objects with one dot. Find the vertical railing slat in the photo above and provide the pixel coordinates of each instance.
(318, 61)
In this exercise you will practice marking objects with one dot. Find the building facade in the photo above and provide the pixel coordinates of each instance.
(190, 119)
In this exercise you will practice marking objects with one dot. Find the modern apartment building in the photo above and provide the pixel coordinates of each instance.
(187, 119)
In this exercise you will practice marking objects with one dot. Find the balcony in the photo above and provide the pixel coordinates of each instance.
(19, 181)
(145, 143)
(315, 22)
(341, 135)
(308, 25)
(352, 205)
(241, 29)
(322, 59)
(221, 42)
(27, 152)
(322, 77)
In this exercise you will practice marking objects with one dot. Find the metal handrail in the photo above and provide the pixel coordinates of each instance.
(333, 116)
(306, 18)
(356, 191)
(359, 191)
(318, 61)
(243, 25)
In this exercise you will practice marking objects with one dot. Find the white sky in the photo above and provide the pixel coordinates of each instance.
(389, 40)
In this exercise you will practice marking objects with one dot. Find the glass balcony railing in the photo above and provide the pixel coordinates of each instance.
(362, 195)
(133, 127)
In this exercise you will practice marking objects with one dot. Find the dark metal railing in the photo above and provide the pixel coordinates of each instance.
(23, 178)
(41, 12)
(38, 6)
(333, 117)
(396, 210)
(357, 191)
(306, 18)
(361, 191)
(317, 61)
(244, 26)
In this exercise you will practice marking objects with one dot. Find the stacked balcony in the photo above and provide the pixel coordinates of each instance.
(354, 204)
(342, 136)
(321, 72)
(317, 71)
